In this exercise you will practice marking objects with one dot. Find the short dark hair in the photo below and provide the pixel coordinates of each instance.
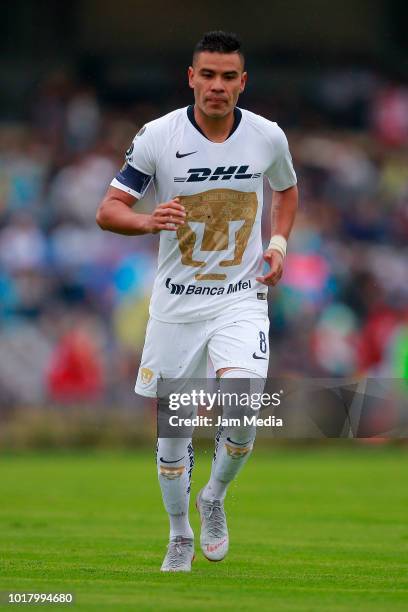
(218, 41)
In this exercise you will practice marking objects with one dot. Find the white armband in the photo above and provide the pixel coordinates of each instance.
(278, 243)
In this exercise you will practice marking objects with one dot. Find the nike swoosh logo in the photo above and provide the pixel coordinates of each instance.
(214, 547)
(176, 461)
(255, 356)
(180, 155)
(238, 443)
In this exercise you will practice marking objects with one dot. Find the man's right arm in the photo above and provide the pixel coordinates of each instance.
(115, 214)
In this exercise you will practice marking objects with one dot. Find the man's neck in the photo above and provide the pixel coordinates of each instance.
(215, 129)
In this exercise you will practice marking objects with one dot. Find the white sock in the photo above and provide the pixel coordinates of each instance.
(230, 458)
(175, 461)
(233, 445)
(180, 525)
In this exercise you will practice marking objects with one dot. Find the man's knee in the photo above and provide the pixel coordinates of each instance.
(173, 456)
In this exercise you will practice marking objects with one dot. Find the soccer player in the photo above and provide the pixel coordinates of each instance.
(207, 162)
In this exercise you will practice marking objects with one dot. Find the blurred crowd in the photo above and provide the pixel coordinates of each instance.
(74, 299)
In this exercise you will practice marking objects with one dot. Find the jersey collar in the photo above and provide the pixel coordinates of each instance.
(237, 121)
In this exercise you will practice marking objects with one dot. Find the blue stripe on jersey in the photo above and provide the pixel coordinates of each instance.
(136, 180)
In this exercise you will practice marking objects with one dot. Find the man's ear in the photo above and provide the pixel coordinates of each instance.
(190, 74)
(244, 79)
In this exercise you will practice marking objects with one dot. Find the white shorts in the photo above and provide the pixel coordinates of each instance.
(181, 350)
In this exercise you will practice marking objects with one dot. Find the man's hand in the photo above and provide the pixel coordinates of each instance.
(115, 214)
(284, 206)
(166, 216)
(275, 261)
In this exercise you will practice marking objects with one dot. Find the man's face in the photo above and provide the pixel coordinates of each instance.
(217, 80)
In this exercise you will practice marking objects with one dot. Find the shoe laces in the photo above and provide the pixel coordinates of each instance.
(176, 550)
(214, 513)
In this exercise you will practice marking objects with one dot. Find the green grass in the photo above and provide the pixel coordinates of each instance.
(311, 530)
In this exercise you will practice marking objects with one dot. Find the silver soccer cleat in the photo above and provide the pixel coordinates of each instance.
(214, 532)
(179, 556)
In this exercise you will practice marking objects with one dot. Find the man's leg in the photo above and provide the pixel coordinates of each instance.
(238, 349)
(175, 461)
(233, 446)
(171, 351)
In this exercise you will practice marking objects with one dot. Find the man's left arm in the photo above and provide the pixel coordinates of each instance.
(283, 212)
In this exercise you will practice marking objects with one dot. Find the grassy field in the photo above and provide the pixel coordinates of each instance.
(311, 529)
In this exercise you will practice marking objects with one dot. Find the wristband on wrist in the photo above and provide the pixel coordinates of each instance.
(278, 243)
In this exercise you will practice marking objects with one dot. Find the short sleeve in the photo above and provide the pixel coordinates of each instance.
(281, 174)
(139, 168)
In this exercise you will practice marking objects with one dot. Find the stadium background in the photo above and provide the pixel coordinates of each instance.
(78, 79)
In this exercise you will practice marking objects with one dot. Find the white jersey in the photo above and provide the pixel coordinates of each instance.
(210, 263)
